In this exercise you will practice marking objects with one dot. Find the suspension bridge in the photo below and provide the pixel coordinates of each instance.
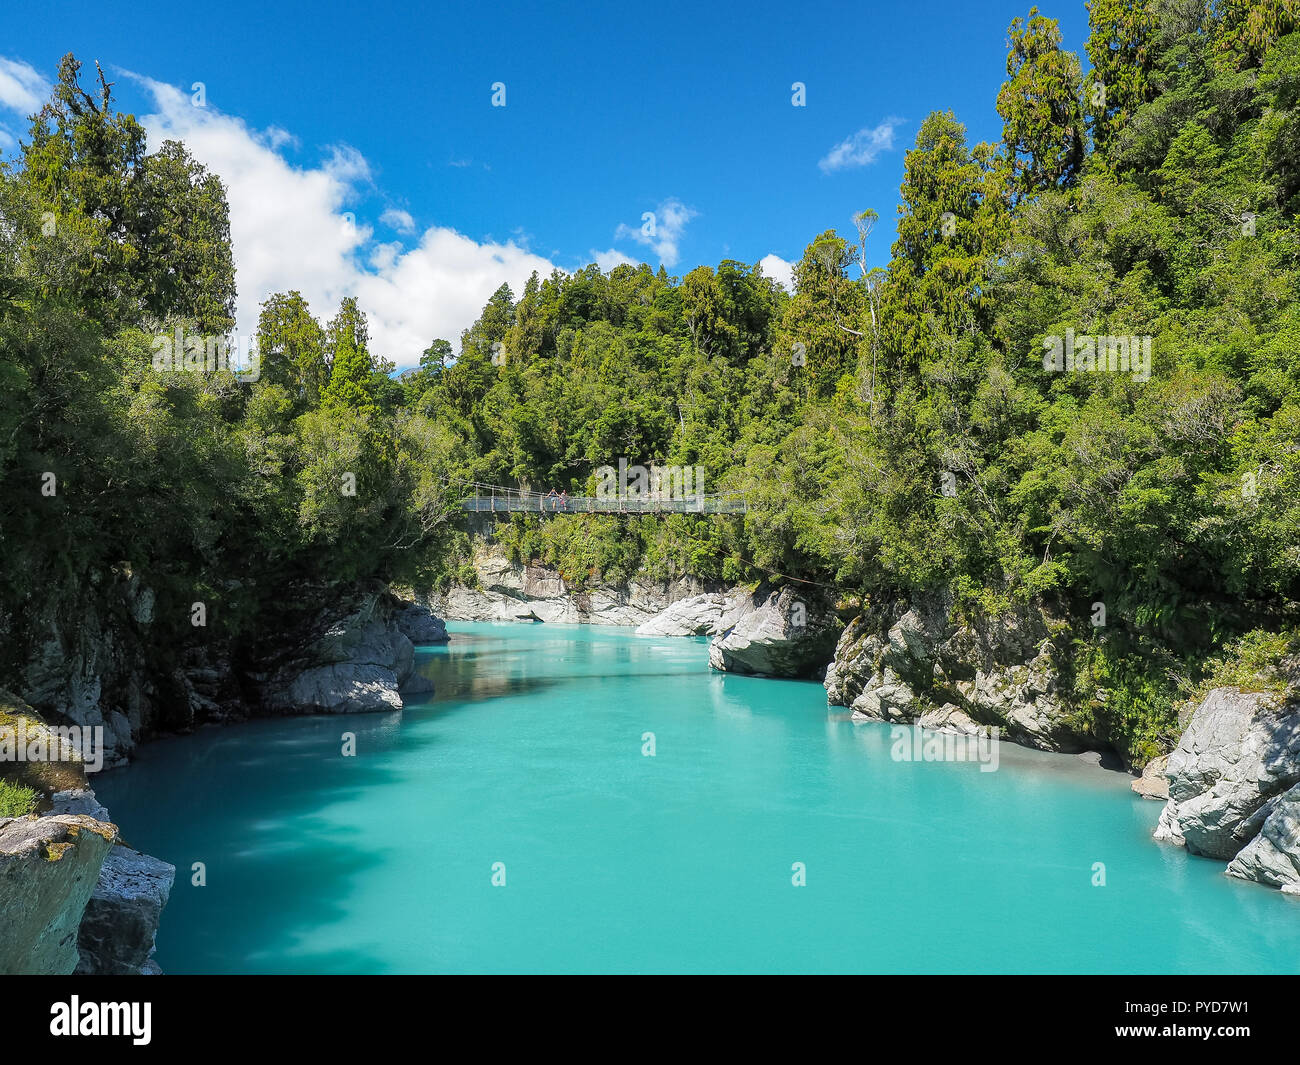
(498, 498)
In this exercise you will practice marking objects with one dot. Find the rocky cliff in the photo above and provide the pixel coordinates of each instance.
(915, 662)
(1231, 785)
(776, 633)
(1234, 785)
(48, 868)
(514, 591)
(90, 666)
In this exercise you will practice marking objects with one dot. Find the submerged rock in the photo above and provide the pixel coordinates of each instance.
(776, 634)
(120, 924)
(48, 868)
(1239, 755)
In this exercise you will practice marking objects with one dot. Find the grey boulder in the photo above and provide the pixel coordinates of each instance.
(776, 634)
(1239, 754)
(120, 923)
(420, 625)
(1273, 856)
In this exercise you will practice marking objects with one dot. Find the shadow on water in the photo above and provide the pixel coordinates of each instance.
(246, 800)
(257, 828)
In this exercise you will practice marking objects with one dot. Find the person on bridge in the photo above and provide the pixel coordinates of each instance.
(564, 500)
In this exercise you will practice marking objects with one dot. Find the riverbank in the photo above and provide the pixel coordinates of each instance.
(1229, 783)
(73, 894)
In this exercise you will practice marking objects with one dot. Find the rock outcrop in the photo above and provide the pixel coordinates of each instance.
(357, 662)
(86, 670)
(49, 866)
(78, 801)
(699, 615)
(1153, 784)
(97, 664)
(120, 923)
(513, 591)
(1273, 856)
(128, 891)
(122, 915)
(911, 662)
(100, 669)
(1233, 770)
(355, 657)
(707, 614)
(420, 625)
(780, 633)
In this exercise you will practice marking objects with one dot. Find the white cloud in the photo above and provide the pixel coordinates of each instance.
(22, 88)
(345, 163)
(662, 231)
(438, 288)
(862, 148)
(607, 260)
(291, 229)
(278, 138)
(398, 220)
(779, 269)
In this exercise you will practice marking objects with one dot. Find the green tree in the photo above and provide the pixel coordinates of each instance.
(347, 339)
(1123, 54)
(1042, 117)
(291, 347)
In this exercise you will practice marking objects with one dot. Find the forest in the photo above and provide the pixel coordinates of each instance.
(893, 429)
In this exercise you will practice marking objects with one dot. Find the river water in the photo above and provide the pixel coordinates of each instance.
(527, 767)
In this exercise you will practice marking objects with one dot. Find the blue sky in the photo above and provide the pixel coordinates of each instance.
(315, 112)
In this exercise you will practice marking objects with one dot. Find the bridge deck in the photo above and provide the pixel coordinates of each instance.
(500, 499)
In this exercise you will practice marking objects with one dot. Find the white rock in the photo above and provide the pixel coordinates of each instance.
(1273, 856)
(700, 615)
(1240, 752)
(777, 634)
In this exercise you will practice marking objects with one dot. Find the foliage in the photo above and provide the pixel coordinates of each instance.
(16, 800)
(892, 430)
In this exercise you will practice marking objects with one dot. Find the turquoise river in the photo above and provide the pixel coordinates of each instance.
(530, 754)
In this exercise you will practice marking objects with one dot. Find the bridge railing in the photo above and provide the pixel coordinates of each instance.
(504, 499)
